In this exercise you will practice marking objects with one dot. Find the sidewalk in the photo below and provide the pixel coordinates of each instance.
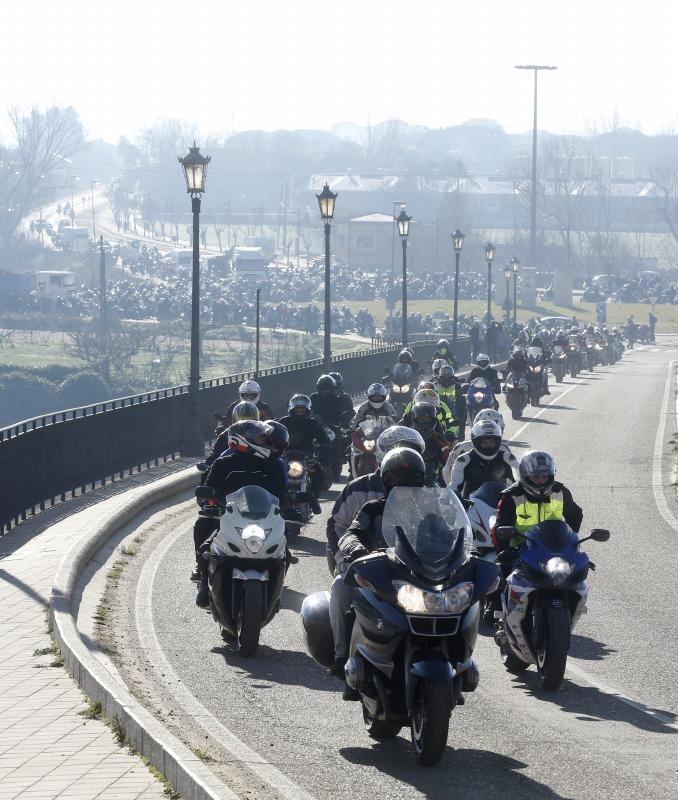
(48, 749)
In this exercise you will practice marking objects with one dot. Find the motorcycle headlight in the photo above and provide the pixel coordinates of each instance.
(537, 368)
(558, 569)
(295, 469)
(395, 389)
(254, 536)
(405, 388)
(478, 396)
(369, 444)
(414, 600)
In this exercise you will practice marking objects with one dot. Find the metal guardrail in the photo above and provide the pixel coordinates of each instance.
(48, 458)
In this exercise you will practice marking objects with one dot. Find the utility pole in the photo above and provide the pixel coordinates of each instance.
(103, 308)
(258, 337)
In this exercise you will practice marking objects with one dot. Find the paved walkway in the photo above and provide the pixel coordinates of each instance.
(48, 749)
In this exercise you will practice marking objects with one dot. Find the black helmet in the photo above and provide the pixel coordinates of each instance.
(326, 383)
(405, 357)
(537, 342)
(403, 467)
(338, 380)
(299, 401)
(424, 418)
(278, 438)
(446, 375)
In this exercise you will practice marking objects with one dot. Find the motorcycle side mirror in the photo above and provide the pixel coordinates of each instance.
(505, 532)
(598, 535)
(303, 497)
(205, 493)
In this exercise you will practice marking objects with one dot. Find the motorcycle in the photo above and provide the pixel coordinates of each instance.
(400, 391)
(559, 363)
(417, 612)
(482, 509)
(479, 395)
(363, 446)
(543, 599)
(573, 356)
(516, 390)
(590, 354)
(535, 374)
(299, 467)
(247, 562)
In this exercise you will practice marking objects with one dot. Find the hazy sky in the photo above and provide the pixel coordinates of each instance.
(275, 64)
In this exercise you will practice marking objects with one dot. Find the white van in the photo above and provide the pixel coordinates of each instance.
(75, 239)
(54, 283)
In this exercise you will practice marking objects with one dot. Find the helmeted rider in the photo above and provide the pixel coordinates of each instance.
(517, 362)
(327, 405)
(243, 411)
(405, 356)
(448, 387)
(426, 393)
(401, 466)
(375, 406)
(251, 391)
(367, 487)
(466, 446)
(535, 497)
(304, 431)
(546, 355)
(486, 461)
(443, 351)
(344, 398)
(424, 420)
(483, 369)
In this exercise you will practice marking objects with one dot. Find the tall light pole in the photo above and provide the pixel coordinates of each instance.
(403, 223)
(458, 243)
(508, 271)
(326, 200)
(103, 308)
(94, 224)
(258, 333)
(72, 215)
(533, 183)
(489, 255)
(195, 171)
(515, 268)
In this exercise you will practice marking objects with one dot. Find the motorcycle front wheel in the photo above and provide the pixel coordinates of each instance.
(250, 617)
(431, 721)
(552, 657)
(380, 728)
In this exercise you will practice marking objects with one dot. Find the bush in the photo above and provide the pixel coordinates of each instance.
(83, 389)
(24, 396)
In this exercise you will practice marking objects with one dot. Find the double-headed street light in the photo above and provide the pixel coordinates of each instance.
(403, 223)
(508, 271)
(458, 243)
(489, 256)
(515, 268)
(195, 171)
(326, 200)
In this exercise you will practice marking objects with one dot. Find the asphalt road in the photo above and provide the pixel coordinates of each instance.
(610, 732)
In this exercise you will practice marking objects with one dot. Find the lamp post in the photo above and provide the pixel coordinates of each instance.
(489, 255)
(403, 223)
(258, 330)
(94, 224)
(533, 194)
(515, 268)
(195, 171)
(508, 271)
(458, 243)
(326, 200)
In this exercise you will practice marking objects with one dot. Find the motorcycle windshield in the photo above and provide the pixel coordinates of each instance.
(554, 535)
(534, 353)
(574, 340)
(252, 502)
(489, 493)
(480, 384)
(371, 429)
(428, 530)
(402, 374)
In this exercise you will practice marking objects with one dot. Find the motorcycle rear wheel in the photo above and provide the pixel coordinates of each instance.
(250, 617)
(552, 659)
(430, 722)
(380, 728)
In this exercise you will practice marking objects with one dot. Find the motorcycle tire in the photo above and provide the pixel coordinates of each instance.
(430, 722)
(250, 618)
(516, 413)
(380, 728)
(534, 399)
(573, 372)
(551, 661)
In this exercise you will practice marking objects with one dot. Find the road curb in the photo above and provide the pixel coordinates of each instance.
(149, 737)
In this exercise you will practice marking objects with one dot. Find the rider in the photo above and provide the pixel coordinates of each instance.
(546, 356)
(448, 387)
(241, 412)
(484, 370)
(465, 447)
(344, 399)
(405, 357)
(375, 406)
(304, 430)
(250, 391)
(535, 497)
(426, 393)
(443, 352)
(486, 461)
(517, 362)
(331, 409)
(400, 467)
(367, 487)
(424, 421)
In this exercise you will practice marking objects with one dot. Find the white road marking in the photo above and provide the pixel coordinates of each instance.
(657, 487)
(188, 702)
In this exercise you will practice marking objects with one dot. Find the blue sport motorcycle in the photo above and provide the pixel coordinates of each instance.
(479, 395)
(544, 597)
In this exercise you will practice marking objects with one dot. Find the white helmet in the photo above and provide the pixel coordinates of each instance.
(250, 390)
(437, 364)
(376, 395)
(399, 436)
(483, 360)
(486, 430)
(427, 396)
(492, 415)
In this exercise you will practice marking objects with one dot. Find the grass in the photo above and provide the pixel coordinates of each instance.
(92, 710)
(45, 651)
(127, 551)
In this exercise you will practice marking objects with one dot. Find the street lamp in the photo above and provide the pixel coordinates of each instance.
(403, 223)
(489, 255)
(195, 172)
(458, 243)
(533, 195)
(326, 200)
(508, 271)
(515, 267)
